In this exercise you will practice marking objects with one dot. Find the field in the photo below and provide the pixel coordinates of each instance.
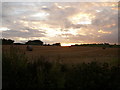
(82, 68)
(74, 54)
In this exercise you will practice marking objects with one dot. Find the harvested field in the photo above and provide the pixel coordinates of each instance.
(73, 54)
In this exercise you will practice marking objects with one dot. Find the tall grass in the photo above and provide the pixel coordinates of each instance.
(19, 73)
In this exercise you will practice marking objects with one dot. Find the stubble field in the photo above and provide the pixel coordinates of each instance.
(74, 54)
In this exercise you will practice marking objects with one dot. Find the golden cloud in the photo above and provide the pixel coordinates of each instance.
(104, 32)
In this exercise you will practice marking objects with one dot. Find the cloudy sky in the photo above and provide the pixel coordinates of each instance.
(67, 23)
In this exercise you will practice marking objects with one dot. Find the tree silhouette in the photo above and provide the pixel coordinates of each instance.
(57, 44)
(34, 42)
(7, 41)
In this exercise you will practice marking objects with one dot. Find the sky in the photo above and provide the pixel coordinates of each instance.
(65, 22)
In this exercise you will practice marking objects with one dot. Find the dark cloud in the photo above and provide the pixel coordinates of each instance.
(46, 9)
(23, 34)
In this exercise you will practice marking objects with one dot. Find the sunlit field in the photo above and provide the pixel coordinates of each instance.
(69, 54)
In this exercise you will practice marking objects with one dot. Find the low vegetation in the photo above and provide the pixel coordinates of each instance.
(18, 72)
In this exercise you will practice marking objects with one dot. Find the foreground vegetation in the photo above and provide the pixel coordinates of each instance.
(18, 72)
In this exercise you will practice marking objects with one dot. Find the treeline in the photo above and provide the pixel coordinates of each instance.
(39, 42)
(7, 41)
(98, 45)
(30, 42)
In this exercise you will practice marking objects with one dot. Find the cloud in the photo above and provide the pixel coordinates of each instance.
(52, 22)
(23, 33)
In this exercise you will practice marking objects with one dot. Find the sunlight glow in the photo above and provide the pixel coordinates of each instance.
(14, 22)
(24, 30)
(41, 14)
(61, 7)
(4, 29)
(23, 39)
(101, 31)
(58, 6)
(109, 26)
(82, 18)
(66, 44)
(44, 6)
(73, 31)
(52, 32)
(69, 44)
(98, 11)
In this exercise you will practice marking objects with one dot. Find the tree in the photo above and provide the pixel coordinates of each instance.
(34, 42)
(7, 41)
(106, 44)
(57, 44)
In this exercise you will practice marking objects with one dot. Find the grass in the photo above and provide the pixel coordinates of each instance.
(19, 72)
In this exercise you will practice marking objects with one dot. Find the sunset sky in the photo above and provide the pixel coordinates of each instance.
(64, 22)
